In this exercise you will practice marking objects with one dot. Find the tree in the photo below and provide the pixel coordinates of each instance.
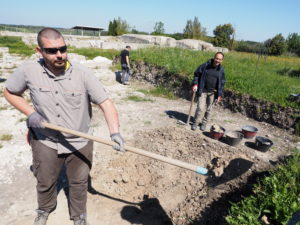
(276, 45)
(194, 30)
(158, 28)
(224, 35)
(118, 27)
(188, 30)
(110, 29)
(293, 43)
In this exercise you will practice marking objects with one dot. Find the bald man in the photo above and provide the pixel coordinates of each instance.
(61, 93)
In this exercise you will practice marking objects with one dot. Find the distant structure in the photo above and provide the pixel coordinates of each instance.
(82, 28)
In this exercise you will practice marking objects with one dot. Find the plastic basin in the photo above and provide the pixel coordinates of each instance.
(249, 131)
(233, 138)
(263, 144)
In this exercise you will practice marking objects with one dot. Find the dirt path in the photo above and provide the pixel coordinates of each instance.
(131, 189)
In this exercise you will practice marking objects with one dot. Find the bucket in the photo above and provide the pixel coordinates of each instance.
(249, 131)
(263, 144)
(233, 138)
(216, 132)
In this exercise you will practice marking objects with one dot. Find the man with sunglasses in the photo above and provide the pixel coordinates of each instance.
(61, 93)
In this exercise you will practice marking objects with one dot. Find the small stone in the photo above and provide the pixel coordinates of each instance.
(141, 183)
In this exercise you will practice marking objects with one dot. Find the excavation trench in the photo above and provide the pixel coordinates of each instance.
(260, 110)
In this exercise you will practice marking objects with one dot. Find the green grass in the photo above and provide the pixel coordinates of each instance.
(91, 53)
(159, 92)
(6, 137)
(138, 99)
(246, 74)
(16, 45)
(276, 197)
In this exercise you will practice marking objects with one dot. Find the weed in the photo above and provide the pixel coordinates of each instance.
(276, 196)
(228, 121)
(3, 107)
(296, 139)
(22, 119)
(138, 99)
(6, 137)
(159, 91)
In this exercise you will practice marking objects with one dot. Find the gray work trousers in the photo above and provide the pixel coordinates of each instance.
(204, 106)
(47, 165)
(125, 75)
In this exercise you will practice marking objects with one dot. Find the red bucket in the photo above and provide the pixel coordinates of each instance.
(216, 132)
(249, 131)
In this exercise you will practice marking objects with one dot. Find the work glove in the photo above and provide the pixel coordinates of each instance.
(116, 137)
(194, 87)
(35, 120)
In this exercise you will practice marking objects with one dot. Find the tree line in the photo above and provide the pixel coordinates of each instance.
(224, 36)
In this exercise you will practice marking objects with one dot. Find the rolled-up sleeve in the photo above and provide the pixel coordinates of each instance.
(16, 82)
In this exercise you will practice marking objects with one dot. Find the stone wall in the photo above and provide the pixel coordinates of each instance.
(136, 41)
(260, 110)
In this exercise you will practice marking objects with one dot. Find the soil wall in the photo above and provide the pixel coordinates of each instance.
(260, 110)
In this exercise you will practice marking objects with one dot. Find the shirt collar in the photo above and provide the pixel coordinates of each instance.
(66, 74)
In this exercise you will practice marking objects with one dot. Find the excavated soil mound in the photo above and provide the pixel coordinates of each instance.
(172, 194)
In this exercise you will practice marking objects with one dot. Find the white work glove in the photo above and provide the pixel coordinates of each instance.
(35, 120)
(195, 87)
(116, 137)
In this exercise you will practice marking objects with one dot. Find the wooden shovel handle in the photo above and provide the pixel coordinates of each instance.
(174, 162)
(191, 107)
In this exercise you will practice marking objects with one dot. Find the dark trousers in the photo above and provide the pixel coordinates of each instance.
(47, 165)
(125, 73)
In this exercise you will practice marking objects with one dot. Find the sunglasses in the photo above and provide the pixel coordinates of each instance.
(53, 51)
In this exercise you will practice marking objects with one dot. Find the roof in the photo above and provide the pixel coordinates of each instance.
(87, 28)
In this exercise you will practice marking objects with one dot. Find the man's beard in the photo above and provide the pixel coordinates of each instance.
(59, 64)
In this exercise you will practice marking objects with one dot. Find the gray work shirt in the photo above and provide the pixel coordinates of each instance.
(63, 100)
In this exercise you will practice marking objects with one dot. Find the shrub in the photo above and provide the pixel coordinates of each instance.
(276, 197)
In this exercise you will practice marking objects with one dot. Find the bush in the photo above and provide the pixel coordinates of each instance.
(276, 197)
(276, 45)
(247, 46)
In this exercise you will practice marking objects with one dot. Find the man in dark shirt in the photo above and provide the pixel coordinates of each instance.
(209, 80)
(125, 65)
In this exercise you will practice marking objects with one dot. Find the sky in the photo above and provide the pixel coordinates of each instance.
(253, 20)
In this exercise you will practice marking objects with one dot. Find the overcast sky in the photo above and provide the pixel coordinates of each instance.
(255, 20)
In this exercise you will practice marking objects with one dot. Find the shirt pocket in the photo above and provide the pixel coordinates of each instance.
(73, 99)
(41, 96)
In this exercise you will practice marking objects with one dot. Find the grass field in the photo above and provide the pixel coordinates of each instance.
(269, 78)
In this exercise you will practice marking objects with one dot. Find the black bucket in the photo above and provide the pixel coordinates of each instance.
(263, 144)
(233, 138)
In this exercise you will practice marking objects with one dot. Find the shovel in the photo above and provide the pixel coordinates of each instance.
(174, 162)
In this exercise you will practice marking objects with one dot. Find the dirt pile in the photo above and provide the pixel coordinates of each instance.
(183, 195)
